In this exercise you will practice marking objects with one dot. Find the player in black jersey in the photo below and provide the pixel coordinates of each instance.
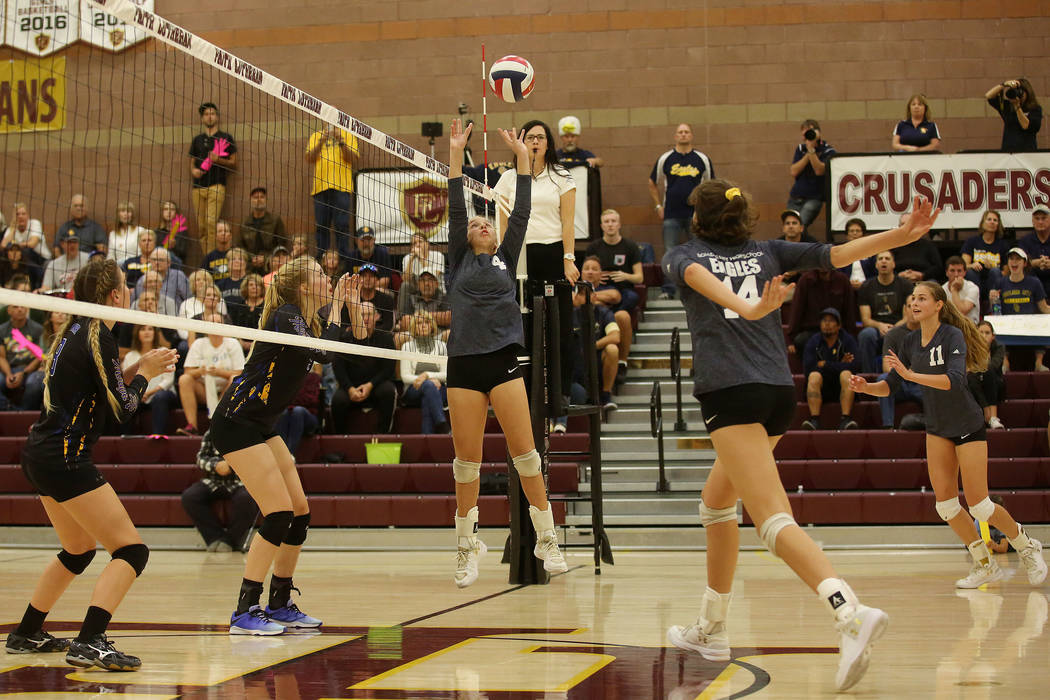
(83, 385)
(937, 356)
(242, 430)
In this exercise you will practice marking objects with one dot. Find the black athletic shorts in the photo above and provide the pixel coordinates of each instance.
(229, 436)
(769, 405)
(483, 372)
(978, 436)
(63, 483)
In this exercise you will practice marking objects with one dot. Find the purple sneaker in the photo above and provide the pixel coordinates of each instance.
(255, 621)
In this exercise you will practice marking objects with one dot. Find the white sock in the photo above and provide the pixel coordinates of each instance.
(838, 597)
(1021, 541)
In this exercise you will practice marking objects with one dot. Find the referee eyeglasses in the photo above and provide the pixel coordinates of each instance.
(536, 137)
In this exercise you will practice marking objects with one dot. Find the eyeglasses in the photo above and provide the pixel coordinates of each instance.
(536, 137)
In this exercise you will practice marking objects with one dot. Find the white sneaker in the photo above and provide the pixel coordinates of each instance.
(981, 574)
(547, 540)
(859, 632)
(709, 636)
(995, 424)
(467, 563)
(1034, 563)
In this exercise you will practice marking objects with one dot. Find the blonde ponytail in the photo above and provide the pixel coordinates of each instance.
(49, 357)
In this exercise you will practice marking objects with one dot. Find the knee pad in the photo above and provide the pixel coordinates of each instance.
(772, 527)
(76, 563)
(297, 530)
(465, 472)
(948, 509)
(136, 555)
(983, 510)
(713, 516)
(528, 464)
(275, 526)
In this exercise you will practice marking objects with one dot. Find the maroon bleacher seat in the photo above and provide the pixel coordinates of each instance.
(895, 444)
(794, 444)
(847, 444)
(1014, 473)
(831, 508)
(17, 423)
(792, 473)
(1016, 442)
(12, 480)
(834, 475)
(1019, 385)
(1017, 413)
(893, 508)
(896, 473)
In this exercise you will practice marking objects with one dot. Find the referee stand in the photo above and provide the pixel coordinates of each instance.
(547, 399)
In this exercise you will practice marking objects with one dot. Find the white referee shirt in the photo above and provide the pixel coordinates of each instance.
(545, 217)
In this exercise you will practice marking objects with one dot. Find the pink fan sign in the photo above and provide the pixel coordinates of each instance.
(178, 225)
(219, 150)
(26, 343)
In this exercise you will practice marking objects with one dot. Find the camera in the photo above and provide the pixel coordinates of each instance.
(1013, 93)
(810, 134)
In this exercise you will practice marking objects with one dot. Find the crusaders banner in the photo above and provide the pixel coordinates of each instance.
(33, 95)
(398, 203)
(42, 27)
(101, 29)
(879, 188)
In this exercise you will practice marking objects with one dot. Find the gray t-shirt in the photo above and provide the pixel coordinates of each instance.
(952, 413)
(729, 350)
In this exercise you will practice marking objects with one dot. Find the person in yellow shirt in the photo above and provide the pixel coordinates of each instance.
(333, 153)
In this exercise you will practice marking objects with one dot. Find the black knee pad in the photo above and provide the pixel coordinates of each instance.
(136, 555)
(297, 530)
(275, 526)
(76, 563)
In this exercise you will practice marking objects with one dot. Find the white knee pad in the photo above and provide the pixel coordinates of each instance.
(528, 464)
(983, 510)
(713, 516)
(948, 509)
(465, 472)
(772, 527)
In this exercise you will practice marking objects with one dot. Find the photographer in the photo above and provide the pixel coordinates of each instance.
(807, 167)
(1015, 102)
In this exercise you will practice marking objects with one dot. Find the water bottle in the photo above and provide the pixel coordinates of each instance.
(997, 307)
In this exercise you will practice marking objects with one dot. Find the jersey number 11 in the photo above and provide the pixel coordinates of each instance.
(936, 356)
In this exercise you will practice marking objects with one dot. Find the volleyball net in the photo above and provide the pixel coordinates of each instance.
(200, 174)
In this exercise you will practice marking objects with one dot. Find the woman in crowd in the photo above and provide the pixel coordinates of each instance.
(159, 395)
(1021, 112)
(172, 233)
(425, 381)
(985, 253)
(249, 307)
(917, 132)
(124, 238)
(53, 323)
(989, 386)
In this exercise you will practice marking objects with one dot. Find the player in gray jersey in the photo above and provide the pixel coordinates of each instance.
(732, 290)
(937, 356)
(483, 347)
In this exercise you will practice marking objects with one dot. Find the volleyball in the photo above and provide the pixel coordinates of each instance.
(512, 78)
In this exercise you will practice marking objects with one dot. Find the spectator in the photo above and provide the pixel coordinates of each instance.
(159, 395)
(134, 267)
(570, 154)
(213, 155)
(172, 232)
(620, 259)
(606, 346)
(209, 303)
(147, 302)
(200, 281)
(212, 362)
(419, 258)
(1022, 115)
(1037, 245)
(124, 238)
(909, 391)
(881, 305)
(427, 298)
(332, 264)
(216, 261)
(91, 235)
(425, 381)
(807, 167)
(230, 285)
(917, 132)
(21, 380)
(985, 253)
(918, 260)
(963, 293)
(173, 283)
(828, 360)
(609, 298)
(817, 290)
(219, 483)
(792, 230)
(367, 251)
(1021, 293)
(333, 153)
(52, 323)
(278, 259)
(60, 272)
(248, 313)
(13, 265)
(681, 169)
(301, 417)
(161, 303)
(21, 283)
(989, 387)
(861, 270)
(381, 300)
(261, 231)
(300, 247)
(29, 234)
(365, 381)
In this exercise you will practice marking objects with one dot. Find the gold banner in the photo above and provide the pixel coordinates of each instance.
(32, 95)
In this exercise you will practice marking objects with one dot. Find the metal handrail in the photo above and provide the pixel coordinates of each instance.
(676, 374)
(656, 426)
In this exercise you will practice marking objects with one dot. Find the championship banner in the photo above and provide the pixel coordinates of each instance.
(42, 27)
(101, 29)
(398, 203)
(32, 95)
(879, 188)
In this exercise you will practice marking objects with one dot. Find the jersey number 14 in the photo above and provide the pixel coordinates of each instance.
(748, 292)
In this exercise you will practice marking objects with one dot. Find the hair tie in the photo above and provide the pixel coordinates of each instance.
(732, 192)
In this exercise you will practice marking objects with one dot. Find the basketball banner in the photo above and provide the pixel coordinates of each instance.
(42, 27)
(399, 203)
(32, 95)
(879, 188)
(101, 29)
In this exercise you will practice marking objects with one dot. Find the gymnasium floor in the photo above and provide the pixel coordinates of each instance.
(397, 627)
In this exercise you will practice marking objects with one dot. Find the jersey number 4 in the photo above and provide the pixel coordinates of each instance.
(748, 292)
(936, 356)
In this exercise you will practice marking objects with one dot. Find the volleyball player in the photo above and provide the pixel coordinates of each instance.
(242, 430)
(83, 384)
(483, 346)
(937, 356)
(731, 288)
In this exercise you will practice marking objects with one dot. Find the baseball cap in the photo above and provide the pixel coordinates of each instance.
(1020, 252)
(569, 125)
(1041, 209)
(69, 234)
(366, 231)
(428, 271)
(832, 311)
(368, 267)
(280, 249)
(790, 212)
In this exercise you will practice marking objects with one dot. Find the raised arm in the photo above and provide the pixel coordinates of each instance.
(518, 223)
(457, 206)
(921, 219)
(703, 281)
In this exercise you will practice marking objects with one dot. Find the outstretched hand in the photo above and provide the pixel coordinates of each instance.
(458, 136)
(514, 141)
(858, 383)
(921, 218)
(893, 363)
(774, 294)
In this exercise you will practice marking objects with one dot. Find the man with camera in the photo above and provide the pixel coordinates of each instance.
(807, 167)
(1022, 115)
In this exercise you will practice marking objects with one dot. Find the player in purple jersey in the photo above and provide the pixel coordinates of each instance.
(732, 292)
(937, 356)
